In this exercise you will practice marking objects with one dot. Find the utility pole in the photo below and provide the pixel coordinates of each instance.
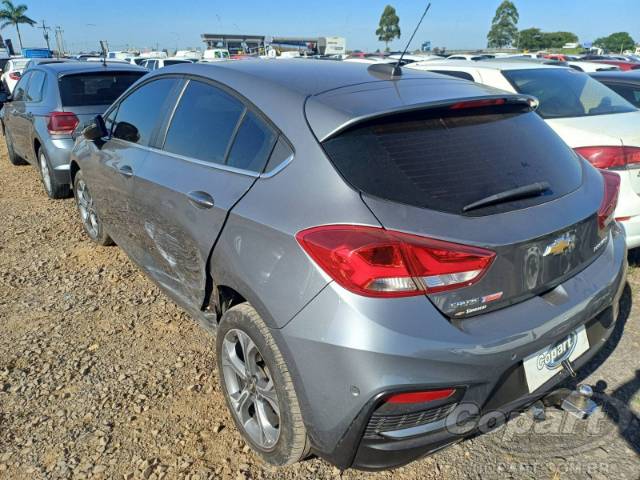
(60, 40)
(45, 33)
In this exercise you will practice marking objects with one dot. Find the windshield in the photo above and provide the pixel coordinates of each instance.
(567, 93)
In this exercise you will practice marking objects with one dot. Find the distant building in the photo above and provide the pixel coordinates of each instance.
(426, 46)
(257, 44)
(571, 45)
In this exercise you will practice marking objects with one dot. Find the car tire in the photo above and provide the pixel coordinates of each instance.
(91, 222)
(13, 158)
(267, 383)
(52, 187)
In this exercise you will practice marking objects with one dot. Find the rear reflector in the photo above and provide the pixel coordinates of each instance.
(610, 157)
(421, 397)
(489, 102)
(62, 123)
(609, 199)
(374, 262)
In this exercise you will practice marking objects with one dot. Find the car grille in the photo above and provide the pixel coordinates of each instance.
(387, 423)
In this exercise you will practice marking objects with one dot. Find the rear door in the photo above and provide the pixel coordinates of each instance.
(15, 116)
(111, 173)
(213, 151)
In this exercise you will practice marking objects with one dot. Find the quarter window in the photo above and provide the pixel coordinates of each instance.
(203, 123)
(139, 112)
(21, 87)
(252, 145)
(34, 92)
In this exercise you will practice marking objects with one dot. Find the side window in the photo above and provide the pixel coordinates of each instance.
(281, 152)
(139, 112)
(454, 73)
(21, 87)
(629, 92)
(34, 92)
(152, 64)
(203, 123)
(252, 145)
(109, 119)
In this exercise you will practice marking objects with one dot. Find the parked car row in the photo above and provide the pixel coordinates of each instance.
(377, 250)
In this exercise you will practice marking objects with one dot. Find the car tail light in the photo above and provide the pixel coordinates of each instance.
(421, 397)
(609, 199)
(610, 157)
(14, 76)
(489, 102)
(62, 123)
(375, 262)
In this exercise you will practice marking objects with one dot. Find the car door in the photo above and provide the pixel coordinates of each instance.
(111, 173)
(34, 106)
(14, 115)
(213, 150)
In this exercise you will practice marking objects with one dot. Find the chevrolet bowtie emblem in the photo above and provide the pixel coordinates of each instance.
(560, 245)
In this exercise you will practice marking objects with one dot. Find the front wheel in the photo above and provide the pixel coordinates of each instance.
(88, 213)
(258, 389)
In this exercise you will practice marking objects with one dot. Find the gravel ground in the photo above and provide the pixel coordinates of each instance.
(101, 376)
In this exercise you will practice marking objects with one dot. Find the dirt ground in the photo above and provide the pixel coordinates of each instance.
(101, 376)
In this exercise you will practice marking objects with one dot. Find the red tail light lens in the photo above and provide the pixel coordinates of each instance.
(421, 397)
(14, 76)
(610, 157)
(62, 123)
(489, 102)
(610, 198)
(382, 263)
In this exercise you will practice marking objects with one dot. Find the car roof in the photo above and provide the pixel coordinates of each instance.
(490, 64)
(332, 94)
(632, 76)
(65, 68)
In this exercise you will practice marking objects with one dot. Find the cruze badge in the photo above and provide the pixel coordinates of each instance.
(562, 244)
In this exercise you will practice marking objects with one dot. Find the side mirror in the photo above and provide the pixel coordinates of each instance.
(95, 130)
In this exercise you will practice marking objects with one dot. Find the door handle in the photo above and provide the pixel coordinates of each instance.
(200, 199)
(125, 170)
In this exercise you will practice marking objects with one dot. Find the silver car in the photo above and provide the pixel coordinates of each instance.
(48, 103)
(381, 256)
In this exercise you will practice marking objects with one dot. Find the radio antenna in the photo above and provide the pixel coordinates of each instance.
(396, 70)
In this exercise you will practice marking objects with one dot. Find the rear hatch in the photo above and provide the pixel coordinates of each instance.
(433, 172)
(87, 94)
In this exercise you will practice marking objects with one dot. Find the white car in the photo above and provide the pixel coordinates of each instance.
(595, 121)
(469, 56)
(12, 72)
(156, 63)
(590, 67)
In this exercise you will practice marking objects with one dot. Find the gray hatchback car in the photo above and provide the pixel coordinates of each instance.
(380, 256)
(49, 102)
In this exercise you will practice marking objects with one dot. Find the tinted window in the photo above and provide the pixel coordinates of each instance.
(453, 73)
(252, 145)
(281, 152)
(567, 93)
(139, 112)
(173, 62)
(34, 92)
(629, 92)
(203, 123)
(21, 87)
(434, 160)
(95, 88)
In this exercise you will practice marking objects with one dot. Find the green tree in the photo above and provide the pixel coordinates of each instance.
(389, 26)
(616, 42)
(14, 15)
(558, 39)
(530, 39)
(504, 30)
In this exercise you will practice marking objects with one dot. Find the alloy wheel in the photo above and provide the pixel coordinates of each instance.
(46, 174)
(87, 210)
(250, 388)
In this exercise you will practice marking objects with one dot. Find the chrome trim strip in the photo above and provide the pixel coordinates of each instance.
(279, 168)
(62, 167)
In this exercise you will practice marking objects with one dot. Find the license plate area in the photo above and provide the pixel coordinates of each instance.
(544, 364)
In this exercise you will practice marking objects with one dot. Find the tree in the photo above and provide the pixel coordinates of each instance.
(558, 39)
(504, 30)
(389, 27)
(14, 15)
(616, 42)
(530, 39)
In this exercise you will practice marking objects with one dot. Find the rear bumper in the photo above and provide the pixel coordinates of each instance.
(347, 352)
(632, 231)
(58, 152)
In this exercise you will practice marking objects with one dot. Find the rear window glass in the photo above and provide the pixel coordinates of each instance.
(440, 162)
(95, 88)
(174, 62)
(567, 93)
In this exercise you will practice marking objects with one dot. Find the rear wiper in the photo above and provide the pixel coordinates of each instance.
(531, 190)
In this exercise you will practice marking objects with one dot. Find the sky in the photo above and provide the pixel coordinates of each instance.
(454, 24)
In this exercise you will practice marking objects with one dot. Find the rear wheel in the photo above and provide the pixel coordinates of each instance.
(258, 389)
(54, 188)
(13, 158)
(88, 214)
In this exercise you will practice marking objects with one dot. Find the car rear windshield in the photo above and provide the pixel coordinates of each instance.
(100, 88)
(564, 92)
(433, 160)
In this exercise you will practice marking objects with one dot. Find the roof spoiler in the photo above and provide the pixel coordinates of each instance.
(453, 104)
